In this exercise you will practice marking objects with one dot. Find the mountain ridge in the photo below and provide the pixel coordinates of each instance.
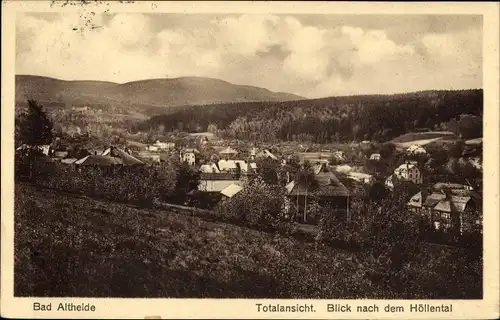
(158, 92)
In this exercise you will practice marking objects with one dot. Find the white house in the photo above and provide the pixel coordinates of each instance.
(189, 156)
(209, 168)
(234, 165)
(266, 154)
(375, 156)
(45, 149)
(415, 149)
(152, 148)
(164, 145)
(360, 177)
(405, 172)
(339, 155)
(228, 152)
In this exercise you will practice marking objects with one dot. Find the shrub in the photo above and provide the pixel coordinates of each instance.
(135, 185)
(258, 205)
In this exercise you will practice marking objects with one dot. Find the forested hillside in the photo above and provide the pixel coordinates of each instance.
(139, 96)
(377, 117)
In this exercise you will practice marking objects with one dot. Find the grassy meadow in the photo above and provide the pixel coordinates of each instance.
(68, 245)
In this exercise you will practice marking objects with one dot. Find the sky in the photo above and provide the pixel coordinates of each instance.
(309, 55)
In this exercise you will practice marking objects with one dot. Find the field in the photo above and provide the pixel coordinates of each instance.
(67, 245)
(423, 138)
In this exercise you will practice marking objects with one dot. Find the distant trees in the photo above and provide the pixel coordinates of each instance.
(327, 120)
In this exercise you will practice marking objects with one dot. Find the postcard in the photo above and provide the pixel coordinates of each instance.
(250, 160)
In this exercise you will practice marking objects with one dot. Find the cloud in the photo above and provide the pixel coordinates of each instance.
(281, 53)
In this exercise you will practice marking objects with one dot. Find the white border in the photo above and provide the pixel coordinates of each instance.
(241, 308)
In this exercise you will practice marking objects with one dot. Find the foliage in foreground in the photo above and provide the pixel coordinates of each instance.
(67, 246)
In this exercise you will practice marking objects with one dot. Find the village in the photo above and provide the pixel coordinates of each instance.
(225, 171)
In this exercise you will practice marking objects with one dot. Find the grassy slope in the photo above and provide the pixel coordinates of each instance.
(70, 246)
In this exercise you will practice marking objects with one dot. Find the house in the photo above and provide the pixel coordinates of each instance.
(451, 186)
(405, 172)
(188, 155)
(230, 191)
(360, 177)
(446, 210)
(152, 148)
(45, 149)
(209, 168)
(148, 156)
(266, 154)
(99, 161)
(164, 145)
(124, 155)
(216, 182)
(338, 155)
(204, 140)
(375, 156)
(69, 160)
(237, 166)
(228, 152)
(365, 145)
(329, 191)
(415, 149)
(60, 154)
(253, 153)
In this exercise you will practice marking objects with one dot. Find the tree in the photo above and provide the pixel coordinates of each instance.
(34, 128)
(387, 150)
(259, 205)
(188, 180)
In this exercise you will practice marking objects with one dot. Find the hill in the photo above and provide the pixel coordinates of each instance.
(140, 95)
(70, 246)
(369, 117)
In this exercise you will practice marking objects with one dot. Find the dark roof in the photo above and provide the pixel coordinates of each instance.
(328, 186)
(126, 158)
(97, 160)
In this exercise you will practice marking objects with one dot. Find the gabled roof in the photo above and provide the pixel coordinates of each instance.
(229, 150)
(99, 160)
(449, 185)
(405, 167)
(231, 190)
(415, 148)
(209, 168)
(439, 201)
(328, 186)
(127, 159)
(234, 164)
(416, 200)
(190, 150)
(266, 154)
(433, 199)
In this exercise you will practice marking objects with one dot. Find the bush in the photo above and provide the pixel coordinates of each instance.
(134, 185)
(258, 205)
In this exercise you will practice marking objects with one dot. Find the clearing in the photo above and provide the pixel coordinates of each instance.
(423, 138)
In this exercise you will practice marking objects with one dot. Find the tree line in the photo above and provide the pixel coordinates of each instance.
(337, 119)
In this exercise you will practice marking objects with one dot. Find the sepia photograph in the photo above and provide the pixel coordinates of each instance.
(248, 156)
